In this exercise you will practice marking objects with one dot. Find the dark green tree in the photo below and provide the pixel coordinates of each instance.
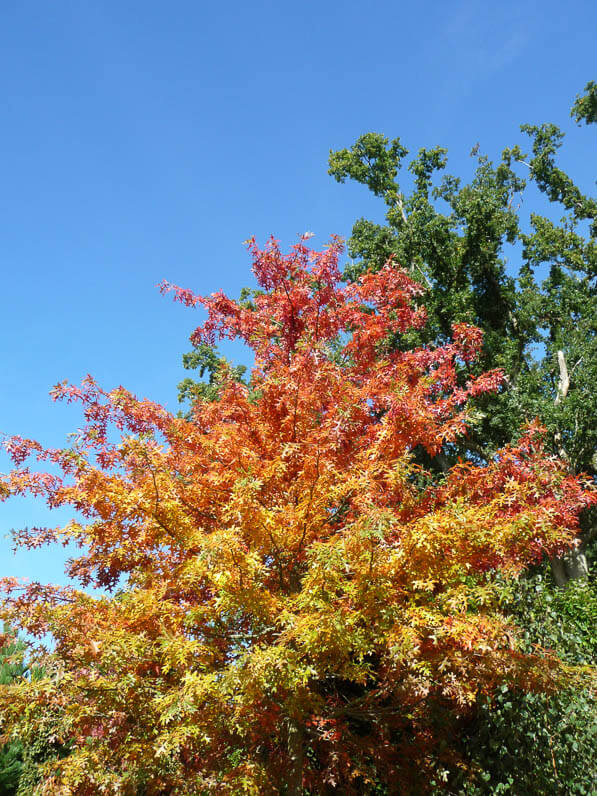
(528, 281)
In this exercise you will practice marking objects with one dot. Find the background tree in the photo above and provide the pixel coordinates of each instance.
(538, 319)
(22, 757)
(292, 602)
(533, 743)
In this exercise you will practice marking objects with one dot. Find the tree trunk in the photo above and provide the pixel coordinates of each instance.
(296, 755)
(571, 566)
(563, 387)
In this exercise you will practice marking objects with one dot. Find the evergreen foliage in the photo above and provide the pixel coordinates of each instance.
(533, 743)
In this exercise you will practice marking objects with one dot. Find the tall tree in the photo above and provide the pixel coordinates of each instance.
(539, 319)
(454, 237)
(292, 601)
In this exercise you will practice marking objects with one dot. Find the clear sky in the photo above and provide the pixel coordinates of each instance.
(147, 140)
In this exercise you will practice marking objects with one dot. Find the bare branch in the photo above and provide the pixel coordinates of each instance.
(564, 383)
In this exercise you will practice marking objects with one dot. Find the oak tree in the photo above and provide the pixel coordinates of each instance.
(527, 279)
(290, 599)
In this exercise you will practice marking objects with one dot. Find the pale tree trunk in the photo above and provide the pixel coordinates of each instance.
(296, 754)
(572, 565)
(563, 387)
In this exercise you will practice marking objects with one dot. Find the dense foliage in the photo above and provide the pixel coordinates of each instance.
(291, 601)
(21, 757)
(11, 668)
(527, 281)
(533, 743)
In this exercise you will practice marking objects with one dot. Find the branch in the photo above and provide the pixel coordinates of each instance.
(564, 383)
(400, 204)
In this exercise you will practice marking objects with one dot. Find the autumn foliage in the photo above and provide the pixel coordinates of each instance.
(290, 600)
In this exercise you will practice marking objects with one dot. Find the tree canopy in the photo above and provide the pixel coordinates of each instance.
(526, 279)
(291, 599)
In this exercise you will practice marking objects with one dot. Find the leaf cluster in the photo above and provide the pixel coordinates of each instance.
(537, 743)
(289, 599)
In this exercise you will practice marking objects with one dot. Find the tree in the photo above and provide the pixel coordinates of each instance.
(292, 601)
(461, 240)
(529, 283)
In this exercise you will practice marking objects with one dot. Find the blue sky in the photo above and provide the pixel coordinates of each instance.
(145, 140)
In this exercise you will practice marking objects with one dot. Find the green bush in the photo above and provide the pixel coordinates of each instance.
(532, 743)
